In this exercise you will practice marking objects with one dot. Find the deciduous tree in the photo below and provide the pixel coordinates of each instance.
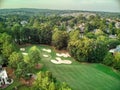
(14, 59)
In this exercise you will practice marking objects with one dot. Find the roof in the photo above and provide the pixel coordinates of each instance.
(112, 50)
(117, 49)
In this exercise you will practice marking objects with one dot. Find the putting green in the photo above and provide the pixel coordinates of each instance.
(81, 76)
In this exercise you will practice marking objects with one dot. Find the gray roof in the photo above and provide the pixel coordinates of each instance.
(117, 48)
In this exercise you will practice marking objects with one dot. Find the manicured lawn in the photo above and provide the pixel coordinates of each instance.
(81, 76)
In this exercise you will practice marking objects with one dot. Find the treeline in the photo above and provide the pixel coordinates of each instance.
(32, 11)
(88, 50)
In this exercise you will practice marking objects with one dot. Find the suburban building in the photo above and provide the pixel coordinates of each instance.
(117, 25)
(117, 49)
(4, 80)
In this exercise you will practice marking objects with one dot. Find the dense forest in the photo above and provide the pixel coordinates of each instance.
(87, 36)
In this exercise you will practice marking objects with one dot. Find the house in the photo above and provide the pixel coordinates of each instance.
(69, 29)
(117, 25)
(117, 49)
(23, 23)
(113, 36)
(112, 50)
(4, 80)
(82, 27)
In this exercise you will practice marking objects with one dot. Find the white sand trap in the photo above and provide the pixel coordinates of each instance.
(55, 62)
(60, 61)
(47, 50)
(66, 62)
(59, 55)
(25, 53)
(45, 55)
(57, 58)
(63, 54)
(22, 49)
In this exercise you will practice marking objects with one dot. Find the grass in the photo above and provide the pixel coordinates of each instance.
(18, 84)
(80, 76)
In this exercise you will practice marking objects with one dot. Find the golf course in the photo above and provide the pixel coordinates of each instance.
(78, 75)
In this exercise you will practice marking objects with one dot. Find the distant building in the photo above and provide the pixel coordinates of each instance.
(117, 25)
(82, 28)
(112, 36)
(112, 50)
(69, 29)
(4, 80)
(23, 23)
(117, 49)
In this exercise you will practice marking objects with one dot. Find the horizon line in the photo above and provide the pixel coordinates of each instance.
(65, 9)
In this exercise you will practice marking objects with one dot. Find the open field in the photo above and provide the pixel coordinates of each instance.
(81, 76)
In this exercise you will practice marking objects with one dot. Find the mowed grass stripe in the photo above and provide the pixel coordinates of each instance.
(77, 82)
(85, 77)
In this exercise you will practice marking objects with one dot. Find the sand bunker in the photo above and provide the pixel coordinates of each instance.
(63, 54)
(22, 49)
(55, 62)
(46, 50)
(60, 61)
(45, 55)
(25, 53)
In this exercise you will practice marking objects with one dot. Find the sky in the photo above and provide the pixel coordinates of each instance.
(89, 5)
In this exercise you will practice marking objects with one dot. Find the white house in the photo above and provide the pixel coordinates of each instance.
(112, 50)
(4, 78)
(117, 49)
(113, 36)
(23, 22)
(117, 24)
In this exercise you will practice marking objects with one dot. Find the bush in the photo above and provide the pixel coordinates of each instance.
(116, 62)
(108, 60)
(112, 43)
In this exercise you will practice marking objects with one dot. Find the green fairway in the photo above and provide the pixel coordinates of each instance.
(81, 76)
